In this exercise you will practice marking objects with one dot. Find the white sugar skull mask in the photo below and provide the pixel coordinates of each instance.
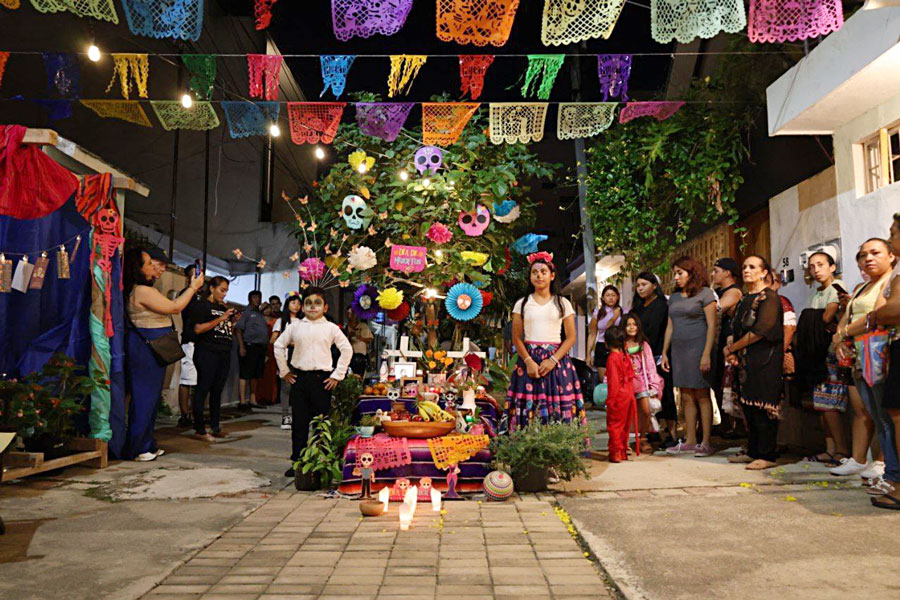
(429, 158)
(393, 394)
(354, 212)
(474, 224)
(366, 459)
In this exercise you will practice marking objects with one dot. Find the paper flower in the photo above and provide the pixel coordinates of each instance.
(476, 258)
(360, 158)
(364, 301)
(463, 302)
(542, 256)
(261, 264)
(486, 298)
(311, 269)
(528, 243)
(390, 298)
(400, 313)
(439, 233)
(509, 217)
(238, 254)
(294, 257)
(286, 274)
(362, 258)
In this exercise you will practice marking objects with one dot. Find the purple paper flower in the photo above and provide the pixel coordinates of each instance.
(364, 303)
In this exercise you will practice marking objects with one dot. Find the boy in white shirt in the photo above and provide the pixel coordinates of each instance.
(310, 374)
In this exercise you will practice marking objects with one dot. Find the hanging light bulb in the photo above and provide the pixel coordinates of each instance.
(362, 168)
(187, 101)
(274, 130)
(439, 254)
(426, 182)
(320, 154)
(93, 52)
(403, 175)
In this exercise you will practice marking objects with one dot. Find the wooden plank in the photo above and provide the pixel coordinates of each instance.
(95, 455)
(41, 136)
(24, 459)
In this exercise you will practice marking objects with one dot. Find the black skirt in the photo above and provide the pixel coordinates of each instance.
(601, 354)
(892, 385)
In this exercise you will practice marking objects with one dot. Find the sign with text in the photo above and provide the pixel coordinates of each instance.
(408, 259)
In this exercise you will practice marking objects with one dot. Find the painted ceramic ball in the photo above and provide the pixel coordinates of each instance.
(600, 392)
(498, 485)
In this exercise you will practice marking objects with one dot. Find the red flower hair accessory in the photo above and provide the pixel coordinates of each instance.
(541, 256)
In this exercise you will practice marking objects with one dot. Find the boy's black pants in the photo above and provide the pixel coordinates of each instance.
(309, 399)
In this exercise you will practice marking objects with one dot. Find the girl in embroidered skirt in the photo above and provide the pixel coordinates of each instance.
(543, 384)
(648, 385)
(621, 411)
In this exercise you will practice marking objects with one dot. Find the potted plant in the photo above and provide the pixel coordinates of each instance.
(321, 462)
(366, 426)
(530, 453)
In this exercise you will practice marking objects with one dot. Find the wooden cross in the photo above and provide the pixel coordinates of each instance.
(403, 351)
(465, 351)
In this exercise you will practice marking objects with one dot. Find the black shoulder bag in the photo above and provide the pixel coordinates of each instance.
(166, 348)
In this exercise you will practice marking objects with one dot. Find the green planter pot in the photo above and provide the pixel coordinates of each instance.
(535, 479)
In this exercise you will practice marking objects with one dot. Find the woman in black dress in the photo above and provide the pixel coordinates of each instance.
(756, 348)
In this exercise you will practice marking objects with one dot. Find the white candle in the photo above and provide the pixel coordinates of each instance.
(435, 500)
(412, 498)
(384, 496)
(405, 516)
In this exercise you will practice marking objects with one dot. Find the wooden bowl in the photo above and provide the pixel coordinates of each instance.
(371, 508)
(418, 429)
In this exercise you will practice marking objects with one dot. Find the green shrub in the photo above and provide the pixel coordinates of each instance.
(324, 452)
(556, 446)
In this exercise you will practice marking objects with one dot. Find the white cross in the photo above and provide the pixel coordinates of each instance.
(403, 351)
(465, 351)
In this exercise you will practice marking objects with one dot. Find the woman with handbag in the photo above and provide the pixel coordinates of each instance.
(757, 350)
(869, 378)
(150, 344)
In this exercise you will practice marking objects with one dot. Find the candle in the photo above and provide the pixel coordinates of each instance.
(384, 496)
(435, 500)
(412, 498)
(405, 516)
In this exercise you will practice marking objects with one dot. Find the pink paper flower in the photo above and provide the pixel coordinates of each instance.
(439, 233)
(312, 269)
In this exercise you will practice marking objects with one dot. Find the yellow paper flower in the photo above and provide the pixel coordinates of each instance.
(358, 158)
(476, 258)
(390, 298)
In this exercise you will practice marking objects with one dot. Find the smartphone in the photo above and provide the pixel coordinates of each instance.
(198, 267)
(839, 288)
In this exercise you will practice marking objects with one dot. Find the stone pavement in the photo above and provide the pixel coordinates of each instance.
(300, 546)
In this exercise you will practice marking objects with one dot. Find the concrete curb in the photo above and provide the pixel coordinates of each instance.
(626, 581)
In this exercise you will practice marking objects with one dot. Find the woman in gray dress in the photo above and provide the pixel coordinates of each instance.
(690, 335)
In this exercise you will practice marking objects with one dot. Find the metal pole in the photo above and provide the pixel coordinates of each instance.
(587, 231)
(173, 203)
(206, 201)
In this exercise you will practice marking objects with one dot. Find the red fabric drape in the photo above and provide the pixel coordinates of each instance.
(32, 185)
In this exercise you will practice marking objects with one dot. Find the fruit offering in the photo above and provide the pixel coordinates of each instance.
(376, 389)
(430, 411)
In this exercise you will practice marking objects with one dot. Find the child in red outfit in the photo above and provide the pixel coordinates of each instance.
(620, 403)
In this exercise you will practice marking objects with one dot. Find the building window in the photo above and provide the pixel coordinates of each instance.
(882, 158)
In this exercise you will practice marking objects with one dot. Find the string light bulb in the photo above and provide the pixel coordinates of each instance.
(426, 182)
(362, 168)
(187, 101)
(320, 154)
(403, 175)
(439, 254)
(274, 130)
(93, 52)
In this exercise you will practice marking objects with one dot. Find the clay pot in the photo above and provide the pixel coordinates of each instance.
(371, 508)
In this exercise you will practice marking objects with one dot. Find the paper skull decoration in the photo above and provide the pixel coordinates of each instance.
(108, 221)
(366, 459)
(393, 394)
(429, 158)
(449, 398)
(355, 212)
(474, 224)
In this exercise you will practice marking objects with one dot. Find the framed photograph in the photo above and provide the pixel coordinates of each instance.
(403, 369)
(409, 387)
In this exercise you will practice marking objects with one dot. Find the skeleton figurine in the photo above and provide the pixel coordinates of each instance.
(393, 394)
(106, 241)
(366, 474)
(398, 492)
(449, 398)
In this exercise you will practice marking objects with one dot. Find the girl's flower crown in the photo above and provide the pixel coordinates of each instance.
(289, 295)
(541, 256)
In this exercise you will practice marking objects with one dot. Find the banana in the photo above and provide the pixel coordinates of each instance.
(424, 413)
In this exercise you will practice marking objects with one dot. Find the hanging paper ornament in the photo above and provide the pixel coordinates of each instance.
(382, 119)
(312, 269)
(474, 224)
(106, 239)
(63, 267)
(4, 56)
(102, 10)
(476, 259)
(358, 158)
(173, 115)
(390, 298)
(39, 273)
(130, 68)
(364, 304)
(517, 122)
(404, 68)
(570, 21)
(439, 233)
(126, 110)
(11, 4)
(160, 19)
(511, 216)
(314, 122)
(202, 71)
(486, 298)
(463, 302)
(250, 118)
(583, 119)
(362, 258)
(779, 21)
(5, 274)
(365, 18)
(262, 13)
(542, 68)
(22, 276)
(614, 71)
(264, 71)
(444, 122)
(504, 208)
(334, 72)
(684, 21)
(478, 22)
(428, 158)
(56, 109)
(660, 110)
(528, 243)
(400, 313)
(63, 74)
(472, 68)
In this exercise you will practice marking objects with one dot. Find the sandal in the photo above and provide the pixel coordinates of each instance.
(817, 458)
(760, 465)
(888, 502)
(838, 457)
(740, 457)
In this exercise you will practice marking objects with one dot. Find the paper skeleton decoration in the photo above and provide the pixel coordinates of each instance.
(366, 474)
(449, 398)
(429, 158)
(356, 213)
(474, 224)
(398, 492)
(393, 394)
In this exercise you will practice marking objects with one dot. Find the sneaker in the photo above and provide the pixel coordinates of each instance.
(245, 408)
(184, 421)
(703, 450)
(286, 422)
(873, 472)
(160, 452)
(145, 457)
(681, 447)
(848, 466)
(880, 487)
(290, 472)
